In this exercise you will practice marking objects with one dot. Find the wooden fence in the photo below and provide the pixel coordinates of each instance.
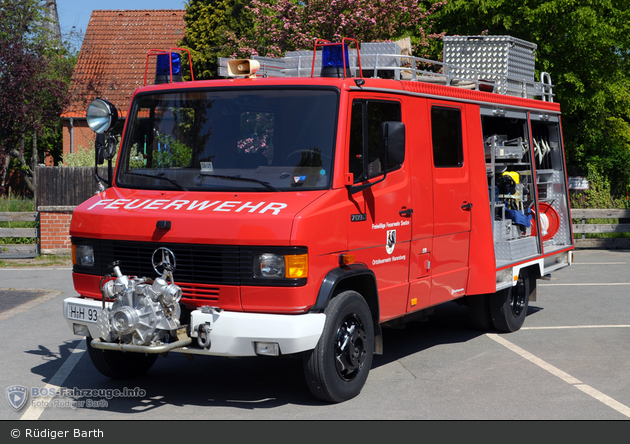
(65, 186)
(580, 227)
(18, 251)
(583, 228)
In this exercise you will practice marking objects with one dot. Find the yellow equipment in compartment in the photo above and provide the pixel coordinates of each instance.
(514, 175)
(517, 196)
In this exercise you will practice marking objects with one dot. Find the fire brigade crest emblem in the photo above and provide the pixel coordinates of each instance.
(391, 241)
(17, 396)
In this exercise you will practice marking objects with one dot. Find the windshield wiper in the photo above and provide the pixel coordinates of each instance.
(155, 176)
(245, 179)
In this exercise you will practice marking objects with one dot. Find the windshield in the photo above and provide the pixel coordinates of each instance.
(230, 140)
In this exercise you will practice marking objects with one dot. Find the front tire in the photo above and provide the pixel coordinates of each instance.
(508, 307)
(336, 370)
(120, 365)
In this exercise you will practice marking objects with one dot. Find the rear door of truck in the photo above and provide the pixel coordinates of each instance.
(452, 204)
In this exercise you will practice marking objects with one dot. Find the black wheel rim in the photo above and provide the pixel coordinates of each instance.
(350, 347)
(517, 301)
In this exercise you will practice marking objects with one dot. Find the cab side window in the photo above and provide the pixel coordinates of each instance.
(446, 133)
(366, 152)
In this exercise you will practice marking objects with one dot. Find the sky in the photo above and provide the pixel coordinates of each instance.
(74, 15)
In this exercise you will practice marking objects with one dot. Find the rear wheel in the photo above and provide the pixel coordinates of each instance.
(336, 370)
(120, 365)
(508, 307)
(479, 312)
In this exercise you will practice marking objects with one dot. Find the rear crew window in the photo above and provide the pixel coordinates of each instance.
(446, 133)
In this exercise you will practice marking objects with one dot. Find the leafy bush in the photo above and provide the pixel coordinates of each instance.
(82, 157)
(599, 194)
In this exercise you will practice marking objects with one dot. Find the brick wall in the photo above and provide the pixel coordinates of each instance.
(54, 229)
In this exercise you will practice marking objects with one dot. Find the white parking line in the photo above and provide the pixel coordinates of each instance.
(562, 327)
(596, 394)
(599, 263)
(583, 284)
(35, 410)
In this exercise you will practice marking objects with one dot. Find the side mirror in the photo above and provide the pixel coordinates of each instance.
(393, 138)
(393, 152)
(99, 149)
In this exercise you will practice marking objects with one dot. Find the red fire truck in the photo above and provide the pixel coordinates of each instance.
(302, 205)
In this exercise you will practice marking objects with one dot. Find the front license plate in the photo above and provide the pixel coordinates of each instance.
(82, 313)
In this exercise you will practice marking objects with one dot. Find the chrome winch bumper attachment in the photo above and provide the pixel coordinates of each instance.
(182, 341)
(143, 316)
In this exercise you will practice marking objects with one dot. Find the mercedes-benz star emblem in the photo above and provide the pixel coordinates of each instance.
(163, 259)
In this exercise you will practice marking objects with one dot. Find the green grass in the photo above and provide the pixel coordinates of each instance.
(16, 204)
(48, 260)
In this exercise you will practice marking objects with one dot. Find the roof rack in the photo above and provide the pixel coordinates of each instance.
(498, 64)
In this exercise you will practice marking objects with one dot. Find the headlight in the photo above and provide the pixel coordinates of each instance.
(269, 265)
(278, 266)
(83, 255)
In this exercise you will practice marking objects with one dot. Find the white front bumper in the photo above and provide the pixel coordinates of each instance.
(232, 333)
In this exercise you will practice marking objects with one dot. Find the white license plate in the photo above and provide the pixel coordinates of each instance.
(82, 313)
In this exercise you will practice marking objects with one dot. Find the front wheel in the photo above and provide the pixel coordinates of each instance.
(120, 365)
(336, 370)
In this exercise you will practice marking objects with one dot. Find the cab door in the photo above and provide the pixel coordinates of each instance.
(379, 228)
(452, 203)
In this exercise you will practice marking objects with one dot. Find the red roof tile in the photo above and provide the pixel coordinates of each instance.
(113, 55)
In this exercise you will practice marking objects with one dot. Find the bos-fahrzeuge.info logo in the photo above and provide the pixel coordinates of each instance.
(63, 397)
(17, 396)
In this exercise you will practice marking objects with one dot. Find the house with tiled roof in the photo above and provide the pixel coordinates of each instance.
(111, 63)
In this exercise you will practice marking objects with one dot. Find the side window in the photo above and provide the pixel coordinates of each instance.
(366, 152)
(446, 131)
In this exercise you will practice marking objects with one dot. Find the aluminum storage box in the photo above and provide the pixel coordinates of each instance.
(505, 60)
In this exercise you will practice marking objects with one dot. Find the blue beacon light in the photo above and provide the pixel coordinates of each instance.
(163, 71)
(332, 60)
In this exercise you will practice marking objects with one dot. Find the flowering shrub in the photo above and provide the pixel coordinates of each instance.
(287, 25)
(257, 133)
(258, 143)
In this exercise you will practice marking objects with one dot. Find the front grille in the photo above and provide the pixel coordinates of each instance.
(201, 293)
(195, 263)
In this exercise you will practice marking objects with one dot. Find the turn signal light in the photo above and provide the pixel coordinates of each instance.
(346, 259)
(296, 266)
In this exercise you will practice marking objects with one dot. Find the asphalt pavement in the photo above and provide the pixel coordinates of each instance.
(570, 361)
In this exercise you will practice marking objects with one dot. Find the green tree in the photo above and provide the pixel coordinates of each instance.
(207, 25)
(34, 78)
(585, 46)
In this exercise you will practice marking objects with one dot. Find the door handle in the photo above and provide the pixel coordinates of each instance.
(466, 206)
(406, 212)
